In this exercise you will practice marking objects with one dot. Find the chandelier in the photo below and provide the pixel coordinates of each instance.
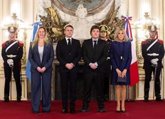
(146, 21)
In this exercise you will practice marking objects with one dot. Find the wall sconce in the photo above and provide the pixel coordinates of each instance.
(17, 22)
(141, 28)
(142, 25)
(14, 21)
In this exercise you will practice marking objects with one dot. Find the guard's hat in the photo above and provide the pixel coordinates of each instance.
(12, 29)
(103, 28)
(152, 28)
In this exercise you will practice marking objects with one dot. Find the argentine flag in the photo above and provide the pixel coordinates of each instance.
(36, 25)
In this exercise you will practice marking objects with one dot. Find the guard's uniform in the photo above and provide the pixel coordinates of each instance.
(152, 49)
(107, 65)
(12, 51)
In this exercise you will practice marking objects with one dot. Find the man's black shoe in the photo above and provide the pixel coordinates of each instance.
(35, 112)
(45, 111)
(6, 99)
(72, 111)
(101, 110)
(18, 99)
(64, 110)
(106, 98)
(146, 100)
(159, 99)
(84, 110)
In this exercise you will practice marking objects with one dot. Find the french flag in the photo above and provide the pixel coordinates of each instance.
(134, 75)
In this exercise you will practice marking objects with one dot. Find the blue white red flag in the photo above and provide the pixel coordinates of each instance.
(134, 75)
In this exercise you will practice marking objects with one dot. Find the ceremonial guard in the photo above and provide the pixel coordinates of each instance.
(152, 52)
(12, 51)
(107, 65)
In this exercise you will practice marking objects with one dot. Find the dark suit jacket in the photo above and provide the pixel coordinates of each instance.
(48, 56)
(67, 55)
(92, 55)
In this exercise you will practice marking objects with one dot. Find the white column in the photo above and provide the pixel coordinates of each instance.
(15, 7)
(162, 36)
(155, 8)
(144, 6)
(27, 10)
(4, 13)
(133, 9)
(1, 9)
(1, 18)
(35, 9)
(157, 14)
(6, 7)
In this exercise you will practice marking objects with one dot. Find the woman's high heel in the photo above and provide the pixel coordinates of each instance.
(123, 110)
(118, 109)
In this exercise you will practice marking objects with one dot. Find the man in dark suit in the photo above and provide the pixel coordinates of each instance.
(68, 54)
(153, 53)
(94, 55)
(12, 52)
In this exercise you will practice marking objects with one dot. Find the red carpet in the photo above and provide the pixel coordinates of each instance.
(135, 110)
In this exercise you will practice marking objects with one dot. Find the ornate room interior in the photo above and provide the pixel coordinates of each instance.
(82, 14)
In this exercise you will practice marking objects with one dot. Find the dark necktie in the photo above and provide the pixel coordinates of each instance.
(94, 44)
(69, 42)
(94, 51)
(69, 45)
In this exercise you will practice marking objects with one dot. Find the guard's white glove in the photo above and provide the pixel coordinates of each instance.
(154, 61)
(10, 62)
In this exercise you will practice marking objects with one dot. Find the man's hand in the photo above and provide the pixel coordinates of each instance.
(39, 69)
(69, 66)
(43, 69)
(93, 65)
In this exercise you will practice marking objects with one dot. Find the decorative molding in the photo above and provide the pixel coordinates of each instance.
(70, 6)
